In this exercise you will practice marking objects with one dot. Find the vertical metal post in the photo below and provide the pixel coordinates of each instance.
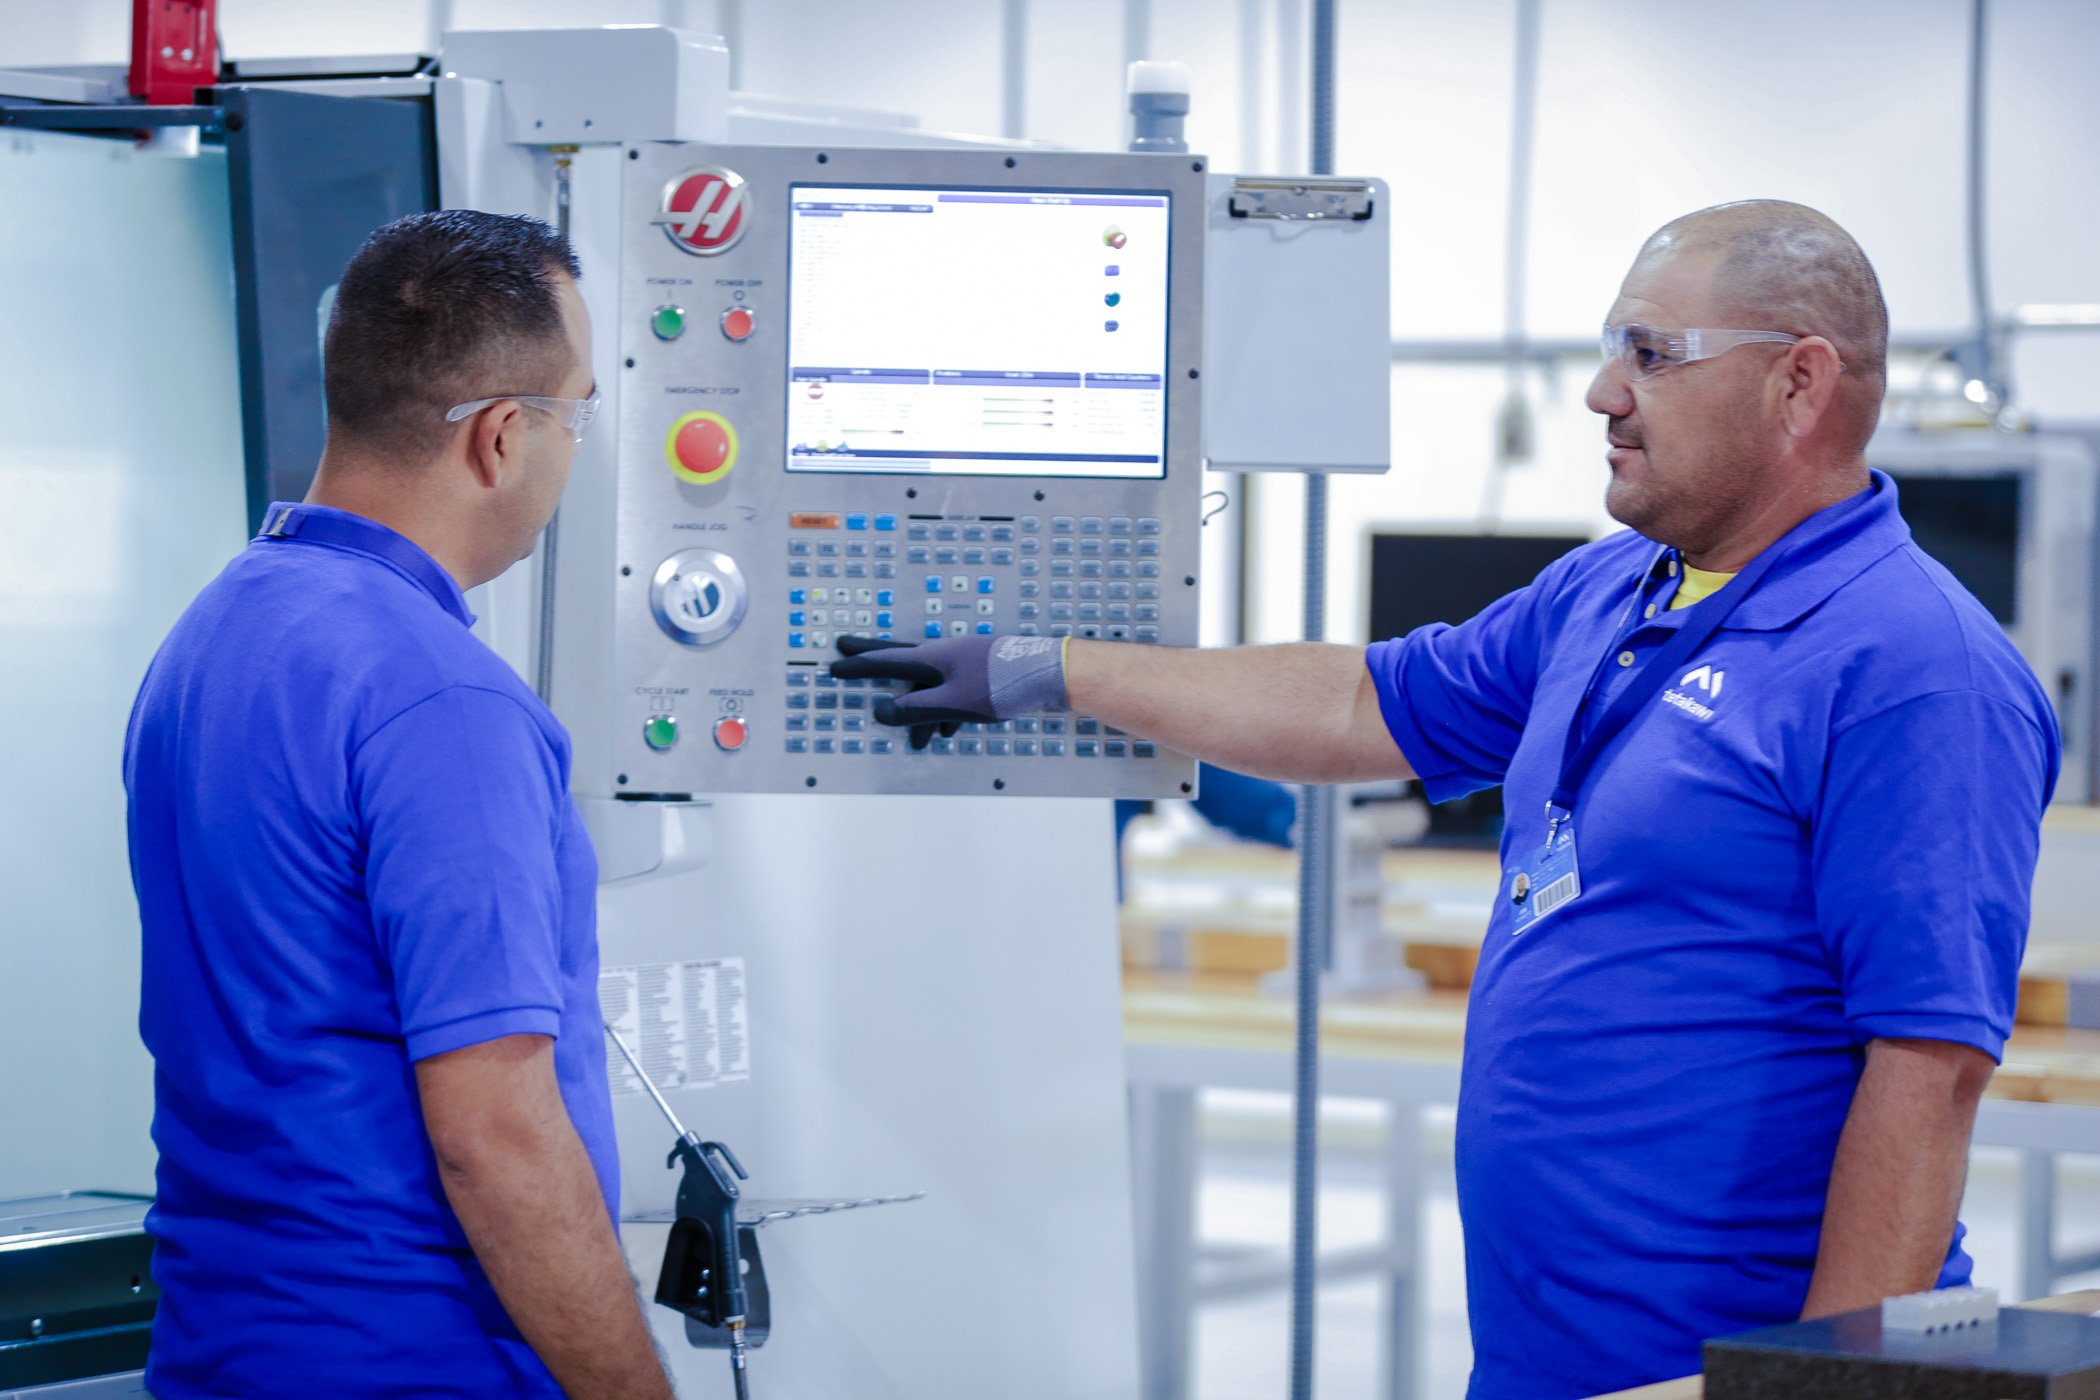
(1137, 31)
(543, 657)
(2038, 1269)
(1316, 823)
(1013, 70)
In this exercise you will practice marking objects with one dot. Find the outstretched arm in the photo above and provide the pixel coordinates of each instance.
(1305, 712)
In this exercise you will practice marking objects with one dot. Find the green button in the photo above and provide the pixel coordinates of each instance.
(661, 732)
(669, 324)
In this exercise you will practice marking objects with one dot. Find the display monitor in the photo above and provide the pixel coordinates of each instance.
(977, 332)
(1971, 524)
(1417, 579)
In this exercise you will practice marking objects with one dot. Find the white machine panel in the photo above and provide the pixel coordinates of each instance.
(894, 394)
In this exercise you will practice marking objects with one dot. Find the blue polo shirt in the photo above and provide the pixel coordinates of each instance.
(354, 848)
(1823, 833)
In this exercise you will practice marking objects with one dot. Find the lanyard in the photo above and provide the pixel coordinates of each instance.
(327, 526)
(1580, 753)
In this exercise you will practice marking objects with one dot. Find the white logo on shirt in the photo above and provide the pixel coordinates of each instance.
(1707, 679)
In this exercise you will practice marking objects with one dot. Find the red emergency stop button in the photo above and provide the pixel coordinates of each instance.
(738, 323)
(730, 733)
(701, 447)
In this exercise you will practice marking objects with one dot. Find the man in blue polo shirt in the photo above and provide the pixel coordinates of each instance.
(367, 900)
(1774, 787)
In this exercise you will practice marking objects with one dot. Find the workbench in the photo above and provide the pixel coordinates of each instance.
(1212, 1024)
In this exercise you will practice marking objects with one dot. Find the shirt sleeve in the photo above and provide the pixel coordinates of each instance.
(460, 799)
(1924, 847)
(1456, 698)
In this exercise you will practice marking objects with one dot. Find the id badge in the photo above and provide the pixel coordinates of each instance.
(1546, 882)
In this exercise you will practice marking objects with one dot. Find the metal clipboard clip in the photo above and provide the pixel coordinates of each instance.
(1305, 200)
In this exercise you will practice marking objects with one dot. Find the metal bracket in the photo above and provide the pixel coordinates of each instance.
(1304, 201)
(119, 117)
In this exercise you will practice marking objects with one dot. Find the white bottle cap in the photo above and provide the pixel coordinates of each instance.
(1151, 77)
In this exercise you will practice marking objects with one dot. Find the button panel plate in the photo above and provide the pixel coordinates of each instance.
(825, 555)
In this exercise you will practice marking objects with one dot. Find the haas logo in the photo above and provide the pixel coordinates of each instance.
(702, 211)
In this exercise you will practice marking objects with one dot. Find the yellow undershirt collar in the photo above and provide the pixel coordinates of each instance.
(1697, 584)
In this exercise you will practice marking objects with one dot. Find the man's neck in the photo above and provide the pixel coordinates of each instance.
(1744, 539)
(367, 492)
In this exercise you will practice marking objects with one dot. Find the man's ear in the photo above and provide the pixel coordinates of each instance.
(494, 437)
(1808, 385)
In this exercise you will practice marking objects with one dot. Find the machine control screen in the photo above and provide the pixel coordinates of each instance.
(996, 332)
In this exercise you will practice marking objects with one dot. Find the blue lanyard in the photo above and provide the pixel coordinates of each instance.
(1579, 754)
(327, 526)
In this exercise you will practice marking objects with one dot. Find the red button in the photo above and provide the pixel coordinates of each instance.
(703, 446)
(730, 733)
(738, 323)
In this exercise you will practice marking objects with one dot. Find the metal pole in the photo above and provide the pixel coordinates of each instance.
(1013, 69)
(1991, 369)
(543, 659)
(1316, 822)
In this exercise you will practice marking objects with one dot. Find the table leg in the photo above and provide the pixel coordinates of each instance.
(1164, 1157)
(2038, 1270)
(1404, 1247)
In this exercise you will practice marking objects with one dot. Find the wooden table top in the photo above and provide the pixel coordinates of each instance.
(1231, 1011)
(1692, 1388)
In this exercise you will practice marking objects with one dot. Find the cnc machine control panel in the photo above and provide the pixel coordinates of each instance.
(899, 394)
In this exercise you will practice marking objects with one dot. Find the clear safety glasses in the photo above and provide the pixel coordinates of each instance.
(1647, 351)
(573, 414)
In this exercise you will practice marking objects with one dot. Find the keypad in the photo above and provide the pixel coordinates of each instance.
(969, 578)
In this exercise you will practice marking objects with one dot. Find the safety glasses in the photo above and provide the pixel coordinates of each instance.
(1647, 351)
(573, 414)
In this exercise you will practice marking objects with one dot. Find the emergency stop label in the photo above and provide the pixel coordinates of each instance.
(687, 1021)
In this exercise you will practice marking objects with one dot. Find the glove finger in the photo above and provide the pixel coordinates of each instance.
(949, 727)
(854, 646)
(903, 709)
(921, 736)
(871, 668)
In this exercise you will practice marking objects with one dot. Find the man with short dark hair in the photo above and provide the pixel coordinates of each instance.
(367, 901)
(1721, 1069)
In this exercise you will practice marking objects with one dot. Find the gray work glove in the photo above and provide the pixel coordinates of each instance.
(958, 680)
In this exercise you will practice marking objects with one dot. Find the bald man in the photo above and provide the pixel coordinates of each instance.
(1774, 785)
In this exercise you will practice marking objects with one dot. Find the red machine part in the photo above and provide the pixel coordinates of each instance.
(174, 50)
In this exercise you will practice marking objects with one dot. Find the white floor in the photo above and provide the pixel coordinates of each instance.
(1242, 1346)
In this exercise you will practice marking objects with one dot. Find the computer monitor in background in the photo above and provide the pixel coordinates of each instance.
(1422, 578)
(2013, 518)
(1417, 579)
(1971, 524)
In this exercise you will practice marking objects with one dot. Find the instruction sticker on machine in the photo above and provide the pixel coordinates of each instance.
(687, 1021)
